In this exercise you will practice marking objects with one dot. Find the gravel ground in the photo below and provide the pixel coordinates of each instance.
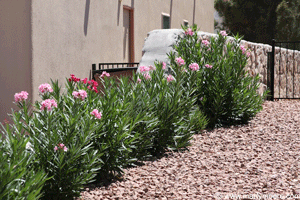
(257, 161)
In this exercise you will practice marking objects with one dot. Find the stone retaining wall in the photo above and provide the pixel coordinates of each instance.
(287, 62)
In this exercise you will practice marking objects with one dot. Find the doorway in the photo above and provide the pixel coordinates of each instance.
(128, 30)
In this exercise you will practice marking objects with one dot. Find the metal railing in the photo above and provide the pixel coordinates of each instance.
(283, 70)
(113, 67)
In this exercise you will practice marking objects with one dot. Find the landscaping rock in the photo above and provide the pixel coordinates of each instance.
(261, 158)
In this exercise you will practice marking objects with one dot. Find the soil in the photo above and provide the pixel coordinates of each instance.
(259, 160)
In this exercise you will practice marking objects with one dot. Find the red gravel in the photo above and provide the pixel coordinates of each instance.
(261, 158)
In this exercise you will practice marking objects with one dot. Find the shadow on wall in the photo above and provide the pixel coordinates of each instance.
(118, 18)
(86, 16)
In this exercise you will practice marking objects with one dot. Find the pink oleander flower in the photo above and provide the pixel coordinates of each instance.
(93, 88)
(49, 104)
(147, 76)
(242, 47)
(152, 67)
(84, 80)
(248, 54)
(205, 42)
(21, 96)
(139, 80)
(82, 94)
(179, 61)
(144, 69)
(164, 65)
(223, 33)
(194, 67)
(93, 85)
(104, 73)
(189, 32)
(208, 66)
(170, 78)
(96, 113)
(44, 88)
(61, 146)
(73, 78)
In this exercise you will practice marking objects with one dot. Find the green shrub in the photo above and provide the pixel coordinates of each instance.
(166, 99)
(17, 179)
(226, 93)
(61, 132)
(117, 126)
(138, 110)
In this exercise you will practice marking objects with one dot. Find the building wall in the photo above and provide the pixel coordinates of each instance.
(148, 16)
(51, 39)
(15, 52)
(69, 36)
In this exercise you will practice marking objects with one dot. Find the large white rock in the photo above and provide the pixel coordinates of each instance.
(158, 44)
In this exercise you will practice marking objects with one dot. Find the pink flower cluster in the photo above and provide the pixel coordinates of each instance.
(151, 67)
(144, 69)
(81, 94)
(194, 67)
(208, 66)
(242, 47)
(170, 78)
(139, 80)
(49, 104)
(244, 50)
(74, 78)
(60, 146)
(179, 61)
(205, 42)
(21, 96)
(189, 32)
(147, 76)
(84, 80)
(43, 88)
(248, 54)
(147, 69)
(93, 85)
(104, 73)
(164, 65)
(223, 33)
(96, 113)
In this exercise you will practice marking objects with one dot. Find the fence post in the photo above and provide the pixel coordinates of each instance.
(272, 69)
(93, 69)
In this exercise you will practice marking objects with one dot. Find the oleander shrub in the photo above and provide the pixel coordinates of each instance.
(117, 131)
(139, 110)
(61, 133)
(17, 179)
(168, 101)
(226, 93)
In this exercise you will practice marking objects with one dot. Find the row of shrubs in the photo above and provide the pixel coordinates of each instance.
(53, 148)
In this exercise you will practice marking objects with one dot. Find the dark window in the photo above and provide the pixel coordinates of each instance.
(165, 22)
(185, 23)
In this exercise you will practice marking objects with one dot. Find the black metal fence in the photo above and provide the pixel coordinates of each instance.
(114, 68)
(283, 76)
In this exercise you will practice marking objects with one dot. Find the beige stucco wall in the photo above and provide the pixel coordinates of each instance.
(15, 52)
(51, 39)
(148, 16)
(69, 36)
